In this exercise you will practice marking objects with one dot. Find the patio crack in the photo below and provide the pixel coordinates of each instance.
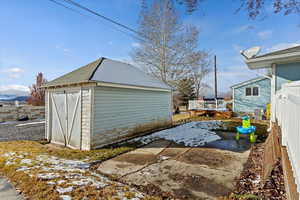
(157, 161)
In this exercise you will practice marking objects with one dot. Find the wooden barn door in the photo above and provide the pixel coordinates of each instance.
(74, 119)
(66, 118)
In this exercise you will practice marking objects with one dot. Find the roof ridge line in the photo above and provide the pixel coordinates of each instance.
(96, 68)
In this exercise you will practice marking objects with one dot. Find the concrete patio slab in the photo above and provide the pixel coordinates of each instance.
(8, 191)
(184, 172)
(134, 160)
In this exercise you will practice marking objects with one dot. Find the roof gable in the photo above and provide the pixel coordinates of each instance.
(109, 71)
(248, 82)
(80, 75)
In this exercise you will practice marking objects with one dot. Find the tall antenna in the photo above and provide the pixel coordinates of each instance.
(216, 82)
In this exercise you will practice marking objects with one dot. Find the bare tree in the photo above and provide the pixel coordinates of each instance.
(255, 7)
(37, 94)
(199, 71)
(167, 49)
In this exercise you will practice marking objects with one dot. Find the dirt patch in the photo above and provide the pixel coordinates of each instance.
(250, 181)
(136, 158)
(206, 156)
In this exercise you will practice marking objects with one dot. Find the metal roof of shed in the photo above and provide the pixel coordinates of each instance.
(108, 71)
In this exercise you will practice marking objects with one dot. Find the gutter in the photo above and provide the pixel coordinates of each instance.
(266, 62)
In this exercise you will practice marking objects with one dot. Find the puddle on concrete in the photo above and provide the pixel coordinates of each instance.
(229, 143)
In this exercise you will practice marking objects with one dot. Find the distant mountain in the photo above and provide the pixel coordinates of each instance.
(13, 92)
(8, 97)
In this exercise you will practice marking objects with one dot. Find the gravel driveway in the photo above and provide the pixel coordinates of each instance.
(10, 131)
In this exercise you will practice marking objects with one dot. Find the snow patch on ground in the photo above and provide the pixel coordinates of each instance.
(192, 134)
(66, 175)
(62, 190)
(65, 197)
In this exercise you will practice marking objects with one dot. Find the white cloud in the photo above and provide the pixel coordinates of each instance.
(65, 50)
(14, 72)
(243, 28)
(14, 89)
(281, 46)
(135, 44)
(265, 34)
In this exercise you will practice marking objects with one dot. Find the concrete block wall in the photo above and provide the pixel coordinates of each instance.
(11, 113)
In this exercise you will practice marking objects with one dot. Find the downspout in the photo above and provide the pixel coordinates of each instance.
(273, 93)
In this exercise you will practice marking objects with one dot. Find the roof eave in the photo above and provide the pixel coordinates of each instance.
(248, 82)
(117, 85)
(267, 61)
(67, 84)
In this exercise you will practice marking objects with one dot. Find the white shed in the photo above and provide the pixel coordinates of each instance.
(104, 102)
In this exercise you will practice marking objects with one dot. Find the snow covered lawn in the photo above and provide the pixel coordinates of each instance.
(67, 177)
(191, 134)
(49, 172)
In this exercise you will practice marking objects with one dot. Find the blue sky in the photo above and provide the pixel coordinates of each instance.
(39, 36)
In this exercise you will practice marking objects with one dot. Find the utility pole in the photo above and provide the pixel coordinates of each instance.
(216, 83)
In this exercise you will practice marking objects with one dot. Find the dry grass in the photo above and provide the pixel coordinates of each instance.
(180, 117)
(62, 152)
(37, 189)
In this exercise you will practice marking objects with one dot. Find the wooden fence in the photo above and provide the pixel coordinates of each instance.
(287, 114)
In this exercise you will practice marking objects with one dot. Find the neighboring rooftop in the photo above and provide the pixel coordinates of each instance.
(108, 71)
(282, 51)
(289, 55)
(249, 81)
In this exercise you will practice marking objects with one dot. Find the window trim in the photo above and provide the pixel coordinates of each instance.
(258, 91)
(250, 91)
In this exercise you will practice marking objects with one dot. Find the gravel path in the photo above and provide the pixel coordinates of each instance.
(9, 131)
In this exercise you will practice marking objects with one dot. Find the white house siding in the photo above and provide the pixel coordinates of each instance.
(116, 110)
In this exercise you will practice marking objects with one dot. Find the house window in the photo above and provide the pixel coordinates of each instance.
(248, 92)
(252, 91)
(255, 91)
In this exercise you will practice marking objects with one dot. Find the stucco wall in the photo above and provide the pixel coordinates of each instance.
(119, 111)
(286, 73)
(243, 103)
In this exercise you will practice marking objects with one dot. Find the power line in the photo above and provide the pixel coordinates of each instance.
(69, 8)
(102, 16)
(138, 34)
(76, 11)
